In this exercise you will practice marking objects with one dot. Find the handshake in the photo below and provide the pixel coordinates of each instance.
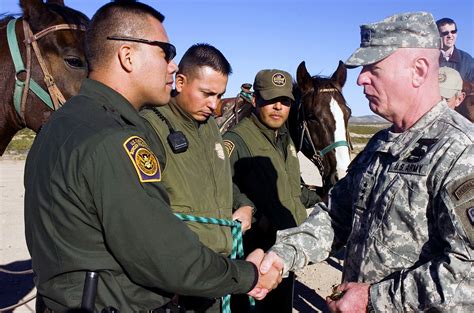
(351, 296)
(270, 269)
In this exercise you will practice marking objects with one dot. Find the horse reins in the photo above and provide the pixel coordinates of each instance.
(318, 155)
(54, 99)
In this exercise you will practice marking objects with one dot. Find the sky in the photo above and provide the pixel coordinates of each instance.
(259, 34)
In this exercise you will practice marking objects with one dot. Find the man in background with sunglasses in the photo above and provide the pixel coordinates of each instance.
(451, 56)
(94, 198)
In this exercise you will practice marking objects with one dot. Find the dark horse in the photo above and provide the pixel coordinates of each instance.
(318, 122)
(42, 64)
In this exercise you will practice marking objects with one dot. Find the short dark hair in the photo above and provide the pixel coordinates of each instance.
(121, 17)
(203, 54)
(445, 20)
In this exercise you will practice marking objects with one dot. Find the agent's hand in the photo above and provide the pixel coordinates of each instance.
(244, 215)
(355, 298)
(271, 260)
(266, 282)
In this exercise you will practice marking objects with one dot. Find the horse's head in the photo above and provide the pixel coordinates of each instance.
(43, 64)
(321, 117)
(62, 50)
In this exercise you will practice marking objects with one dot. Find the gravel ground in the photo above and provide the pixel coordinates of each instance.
(313, 283)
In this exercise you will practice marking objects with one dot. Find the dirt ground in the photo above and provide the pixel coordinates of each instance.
(313, 283)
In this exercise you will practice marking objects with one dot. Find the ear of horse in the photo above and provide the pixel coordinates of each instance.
(32, 9)
(340, 74)
(303, 78)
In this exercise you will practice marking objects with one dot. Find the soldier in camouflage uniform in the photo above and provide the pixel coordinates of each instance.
(405, 210)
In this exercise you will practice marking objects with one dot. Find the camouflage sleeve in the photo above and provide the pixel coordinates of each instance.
(309, 242)
(319, 235)
(444, 282)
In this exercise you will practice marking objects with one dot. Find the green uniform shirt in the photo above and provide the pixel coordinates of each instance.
(266, 170)
(94, 201)
(198, 181)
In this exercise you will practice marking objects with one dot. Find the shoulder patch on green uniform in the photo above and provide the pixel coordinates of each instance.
(145, 162)
(229, 146)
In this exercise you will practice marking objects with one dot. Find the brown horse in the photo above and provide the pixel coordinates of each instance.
(318, 122)
(42, 64)
(231, 110)
(466, 108)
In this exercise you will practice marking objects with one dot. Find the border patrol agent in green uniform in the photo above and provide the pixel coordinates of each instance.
(198, 180)
(267, 172)
(94, 197)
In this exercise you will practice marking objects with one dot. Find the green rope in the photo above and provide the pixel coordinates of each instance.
(237, 245)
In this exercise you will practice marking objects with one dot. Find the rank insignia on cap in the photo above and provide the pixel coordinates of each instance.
(229, 146)
(145, 162)
(365, 37)
(278, 79)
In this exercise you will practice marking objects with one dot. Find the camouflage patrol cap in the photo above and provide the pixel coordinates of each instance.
(273, 83)
(450, 82)
(406, 30)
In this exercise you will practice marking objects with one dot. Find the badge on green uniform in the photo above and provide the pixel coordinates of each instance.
(145, 162)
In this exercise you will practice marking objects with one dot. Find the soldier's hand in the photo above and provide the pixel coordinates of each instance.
(244, 215)
(270, 260)
(266, 282)
(353, 297)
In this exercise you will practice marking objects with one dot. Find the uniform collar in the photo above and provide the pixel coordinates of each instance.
(111, 100)
(398, 143)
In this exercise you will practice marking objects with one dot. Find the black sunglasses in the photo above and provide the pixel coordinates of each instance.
(452, 32)
(168, 49)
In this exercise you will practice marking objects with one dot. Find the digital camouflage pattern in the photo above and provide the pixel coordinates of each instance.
(407, 30)
(402, 212)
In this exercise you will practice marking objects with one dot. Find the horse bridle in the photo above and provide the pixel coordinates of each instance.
(53, 98)
(318, 155)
